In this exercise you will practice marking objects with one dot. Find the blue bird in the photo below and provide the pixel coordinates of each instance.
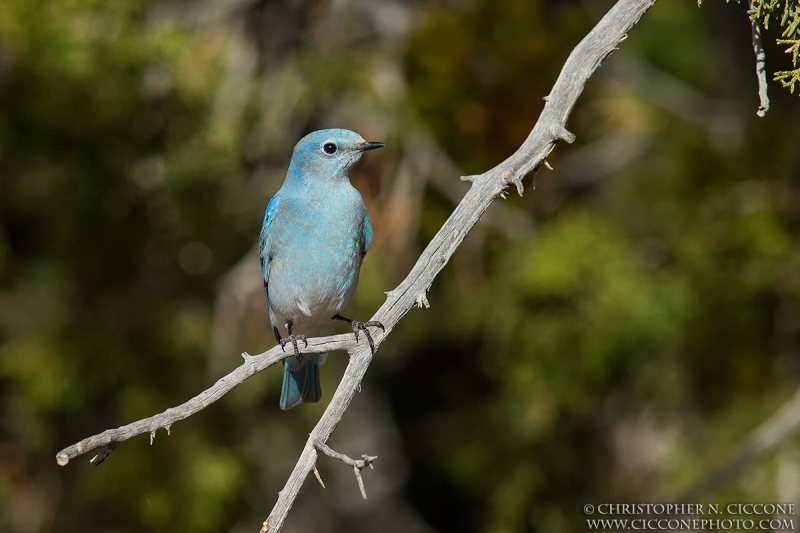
(315, 234)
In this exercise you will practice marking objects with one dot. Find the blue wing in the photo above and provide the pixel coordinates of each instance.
(368, 234)
(264, 251)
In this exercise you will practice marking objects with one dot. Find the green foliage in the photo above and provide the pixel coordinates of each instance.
(789, 13)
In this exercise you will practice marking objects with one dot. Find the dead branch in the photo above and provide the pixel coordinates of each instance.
(761, 65)
(548, 130)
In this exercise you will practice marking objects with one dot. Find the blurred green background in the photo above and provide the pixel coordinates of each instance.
(615, 335)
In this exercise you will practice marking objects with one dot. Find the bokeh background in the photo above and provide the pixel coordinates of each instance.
(619, 334)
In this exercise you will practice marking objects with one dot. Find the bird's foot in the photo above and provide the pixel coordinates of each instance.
(293, 339)
(362, 326)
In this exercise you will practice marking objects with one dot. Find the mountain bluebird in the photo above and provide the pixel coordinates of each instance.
(315, 234)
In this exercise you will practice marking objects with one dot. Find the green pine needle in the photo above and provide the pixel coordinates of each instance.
(788, 78)
(795, 23)
(794, 49)
(789, 12)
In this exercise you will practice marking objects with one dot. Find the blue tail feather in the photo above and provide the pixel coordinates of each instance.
(313, 391)
(291, 390)
(300, 384)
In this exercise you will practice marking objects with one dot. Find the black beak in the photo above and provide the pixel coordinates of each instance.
(370, 146)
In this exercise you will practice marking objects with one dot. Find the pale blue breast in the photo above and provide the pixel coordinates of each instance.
(317, 243)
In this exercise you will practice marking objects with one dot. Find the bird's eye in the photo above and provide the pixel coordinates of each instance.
(329, 148)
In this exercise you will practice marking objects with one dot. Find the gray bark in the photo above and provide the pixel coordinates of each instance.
(548, 130)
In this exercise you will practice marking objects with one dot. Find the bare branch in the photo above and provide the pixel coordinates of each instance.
(253, 364)
(549, 129)
(761, 65)
(357, 464)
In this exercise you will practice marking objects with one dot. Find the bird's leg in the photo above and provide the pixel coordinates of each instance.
(291, 338)
(363, 327)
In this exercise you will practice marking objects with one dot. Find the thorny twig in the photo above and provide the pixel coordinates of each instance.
(548, 130)
(357, 464)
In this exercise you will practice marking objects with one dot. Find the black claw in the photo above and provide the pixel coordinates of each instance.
(293, 339)
(363, 327)
(369, 340)
(356, 327)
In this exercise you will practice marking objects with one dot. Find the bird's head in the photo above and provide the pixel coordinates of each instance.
(329, 154)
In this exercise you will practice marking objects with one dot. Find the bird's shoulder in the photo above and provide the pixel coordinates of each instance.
(269, 216)
(272, 208)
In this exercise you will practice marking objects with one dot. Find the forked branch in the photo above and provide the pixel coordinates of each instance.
(357, 464)
(549, 129)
